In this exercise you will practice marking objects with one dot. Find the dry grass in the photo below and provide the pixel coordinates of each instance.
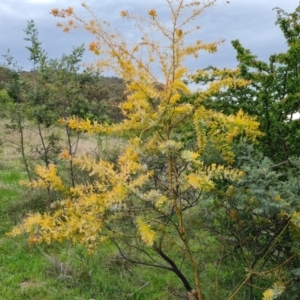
(10, 141)
(105, 147)
(29, 284)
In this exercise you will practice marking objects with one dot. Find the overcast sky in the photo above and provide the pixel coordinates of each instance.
(250, 21)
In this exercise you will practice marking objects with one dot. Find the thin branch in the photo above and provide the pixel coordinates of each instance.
(137, 261)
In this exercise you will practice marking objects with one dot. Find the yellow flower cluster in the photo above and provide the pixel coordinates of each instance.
(48, 178)
(85, 125)
(220, 130)
(274, 292)
(146, 233)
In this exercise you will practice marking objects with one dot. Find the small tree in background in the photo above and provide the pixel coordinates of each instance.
(57, 91)
(15, 108)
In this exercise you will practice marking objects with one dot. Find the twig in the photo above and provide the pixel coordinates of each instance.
(143, 286)
(280, 164)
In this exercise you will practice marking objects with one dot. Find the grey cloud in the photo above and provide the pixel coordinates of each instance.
(252, 22)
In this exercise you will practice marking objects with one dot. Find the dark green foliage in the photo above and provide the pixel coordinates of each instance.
(103, 95)
(250, 221)
(273, 95)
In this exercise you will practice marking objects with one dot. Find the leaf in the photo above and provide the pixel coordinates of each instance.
(145, 232)
(296, 272)
(189, 155)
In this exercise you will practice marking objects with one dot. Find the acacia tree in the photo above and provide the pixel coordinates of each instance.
(147, 204)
